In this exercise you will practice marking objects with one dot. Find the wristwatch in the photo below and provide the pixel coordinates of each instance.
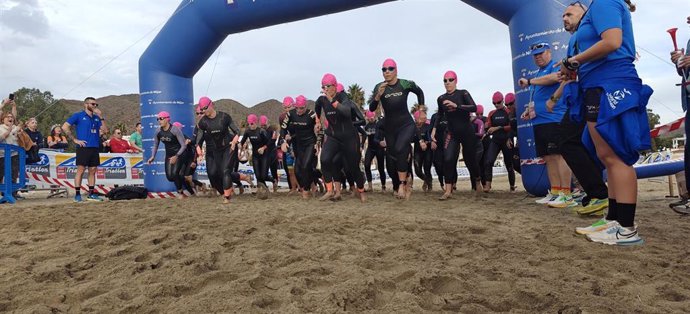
(554, 98)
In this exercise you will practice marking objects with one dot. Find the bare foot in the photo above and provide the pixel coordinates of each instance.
(327, 196)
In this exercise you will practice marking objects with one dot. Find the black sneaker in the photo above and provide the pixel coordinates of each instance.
(682, 206)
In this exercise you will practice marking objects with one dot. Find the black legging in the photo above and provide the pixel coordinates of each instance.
(175, 173)
(273, 165)
(490, 156)
(218, 166)
(332, 164)
(304, 164)
(485, 141)
(260, 164)
(480, 154)
(437, 159)
(380, 155)
(398, 150)
(452, 152)
(422, 163)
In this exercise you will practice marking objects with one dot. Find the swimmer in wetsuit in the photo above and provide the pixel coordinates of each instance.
(260, 154)
(271, 151)
(298, 129)
(175, 147)
(455, 106)
(341, 147)
(422, 149)
(220, 133)
(392, 96)
(374, 150)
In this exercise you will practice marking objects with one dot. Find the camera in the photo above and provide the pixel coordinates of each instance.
(11, 96)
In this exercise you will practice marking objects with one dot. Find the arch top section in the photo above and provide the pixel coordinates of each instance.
(197, 28)
(501, 10)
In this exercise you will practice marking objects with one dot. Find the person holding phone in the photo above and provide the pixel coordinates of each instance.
(87, 123)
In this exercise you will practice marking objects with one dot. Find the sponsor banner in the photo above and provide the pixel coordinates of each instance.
(127, 169)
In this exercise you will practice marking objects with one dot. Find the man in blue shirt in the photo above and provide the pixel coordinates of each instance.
(87, 141)
(585, 169)
(546, 126)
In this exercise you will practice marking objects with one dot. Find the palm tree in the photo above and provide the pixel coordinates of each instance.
(356, 94)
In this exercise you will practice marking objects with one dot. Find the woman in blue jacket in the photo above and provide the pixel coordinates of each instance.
(614, 102)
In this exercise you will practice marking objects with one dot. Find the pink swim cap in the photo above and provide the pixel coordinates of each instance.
(390, 63)
(498, 97)
(300, 101)
(370, 114)
(263, 120)
(325, 123)
(177, 124)
(288, 101)
(329, 79)
(510, 97)
(164, 114)
(416, 115)
(204, 103)
(252, 118)
(480, 109)
(450, 74)
(340, 88)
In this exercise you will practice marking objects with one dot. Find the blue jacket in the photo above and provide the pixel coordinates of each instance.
(622, 120)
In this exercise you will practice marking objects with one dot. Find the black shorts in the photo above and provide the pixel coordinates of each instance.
(88, 157)
(547, 136)
(592, 101)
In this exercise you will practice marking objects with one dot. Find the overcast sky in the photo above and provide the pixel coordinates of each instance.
(56, 44)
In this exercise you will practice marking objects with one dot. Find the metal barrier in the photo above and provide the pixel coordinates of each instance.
(8, 189)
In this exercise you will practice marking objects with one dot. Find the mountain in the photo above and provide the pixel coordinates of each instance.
(125, 108)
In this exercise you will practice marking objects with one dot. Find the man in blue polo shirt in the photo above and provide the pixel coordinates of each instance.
(87, 124)
(546, 126)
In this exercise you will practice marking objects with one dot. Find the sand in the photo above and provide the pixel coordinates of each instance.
(499, 253)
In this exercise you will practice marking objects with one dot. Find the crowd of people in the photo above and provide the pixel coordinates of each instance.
(580, 130)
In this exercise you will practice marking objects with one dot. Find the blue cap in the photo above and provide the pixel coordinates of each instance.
(538, 48)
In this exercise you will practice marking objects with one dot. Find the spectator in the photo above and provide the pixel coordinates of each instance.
(34, 133)
(119, 145)
(105, 139)
(135, 139)
(8, 135)
(683, 67)
(56, 140)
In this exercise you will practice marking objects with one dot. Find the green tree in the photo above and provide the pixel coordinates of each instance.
(122, 126)
(31, 102)
(356, 93)
(653, 122)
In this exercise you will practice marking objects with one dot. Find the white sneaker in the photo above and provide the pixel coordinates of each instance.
(616, 235)
(562, 201)
(599, 225)
(548, 198)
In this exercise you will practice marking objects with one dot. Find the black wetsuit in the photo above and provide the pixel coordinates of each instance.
(459, 131)
(423, 158)
(303, 139)
(499, 143)
(485, 141)
(272, 152)
(218, 133)
(341, 147)
(259, 139)
(399, 124)
(437, 154)
(374, 149)
(174, 143)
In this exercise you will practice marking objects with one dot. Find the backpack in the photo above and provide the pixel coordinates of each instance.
(127, 192)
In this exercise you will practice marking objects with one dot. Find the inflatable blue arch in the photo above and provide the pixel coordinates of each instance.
(197, 29)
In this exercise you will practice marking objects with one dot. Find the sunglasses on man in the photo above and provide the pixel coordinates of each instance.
(387, 69)
(449, 80)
